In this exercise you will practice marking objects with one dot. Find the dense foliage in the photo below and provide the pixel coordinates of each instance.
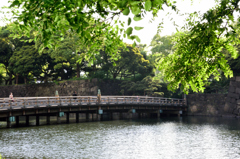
(195, 56)
(199, 52)
(24, 63)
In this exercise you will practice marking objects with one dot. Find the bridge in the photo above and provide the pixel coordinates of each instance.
(91, 106)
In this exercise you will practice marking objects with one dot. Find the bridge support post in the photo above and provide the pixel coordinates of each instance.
(77, 117)
(48, 120)
(67, 117)
(58, 119)
(92, 116)
(179, 113)
(158, 114)
(27, 120)
(9, 123)
(17, 121)
(139, 115)
(121, 116)
(99, 117)
(37, 120)
(109, 116)
(129, 115)
(87, 116)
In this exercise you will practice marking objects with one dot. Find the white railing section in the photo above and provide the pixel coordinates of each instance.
(30, 102)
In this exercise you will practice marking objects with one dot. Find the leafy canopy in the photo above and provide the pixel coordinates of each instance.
(91, 19)
(198, 53)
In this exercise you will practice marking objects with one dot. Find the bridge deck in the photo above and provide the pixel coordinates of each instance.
(38, 102)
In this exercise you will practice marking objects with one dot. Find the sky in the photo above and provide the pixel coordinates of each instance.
(150, 29)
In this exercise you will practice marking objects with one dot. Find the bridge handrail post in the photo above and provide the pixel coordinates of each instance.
(24, 103)
(70, 100)
(10, 104)
(48, 102)
(89, 100)
(60, 101)
(36, 102)
(108, 99)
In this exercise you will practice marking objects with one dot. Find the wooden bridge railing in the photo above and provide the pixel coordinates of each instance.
(28, 102)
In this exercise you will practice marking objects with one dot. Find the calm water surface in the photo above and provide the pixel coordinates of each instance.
(166, 138)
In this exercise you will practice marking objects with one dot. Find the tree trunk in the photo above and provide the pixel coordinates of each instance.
(114, 76)
(10, 78)
(45, 78)
(78, 71)
(17, 78)
(25, 80)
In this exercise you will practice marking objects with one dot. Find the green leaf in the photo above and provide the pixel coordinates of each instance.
(137, 38)
(134, 44)
(137, 17)
(129, 31)
(138, 28)
(135, 3)
(129, 21)
(126, 11)
(123, 3)
(135, 10)
(160, 2)
(148, 5)
(16, 2)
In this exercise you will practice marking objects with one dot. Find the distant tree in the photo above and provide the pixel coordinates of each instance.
(6, 52)
(131, 63)
(162, 45)
(2, 71)
(147, 86)
(25, 61)
(8, 46)
(65, 59)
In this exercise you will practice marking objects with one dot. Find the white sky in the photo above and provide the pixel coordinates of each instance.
(150, 29)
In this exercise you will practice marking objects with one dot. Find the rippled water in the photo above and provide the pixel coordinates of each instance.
(167, 138)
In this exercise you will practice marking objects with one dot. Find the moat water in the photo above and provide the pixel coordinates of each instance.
(166, 138)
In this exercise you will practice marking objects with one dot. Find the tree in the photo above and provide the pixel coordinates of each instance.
(197, 55)
(162, 45)
(147, 86)
(26, 60)
(6, 51)
(65, 58)
(2, 70)
(90, 19)
(130, 63)
(8, 46)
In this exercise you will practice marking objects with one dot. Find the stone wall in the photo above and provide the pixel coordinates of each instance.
(82, 87)
(217, 104)
(66, 88)
(109, 87)
(232, 104)
(206, 104)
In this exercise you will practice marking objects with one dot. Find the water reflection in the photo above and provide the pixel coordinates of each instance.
(190, 137)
